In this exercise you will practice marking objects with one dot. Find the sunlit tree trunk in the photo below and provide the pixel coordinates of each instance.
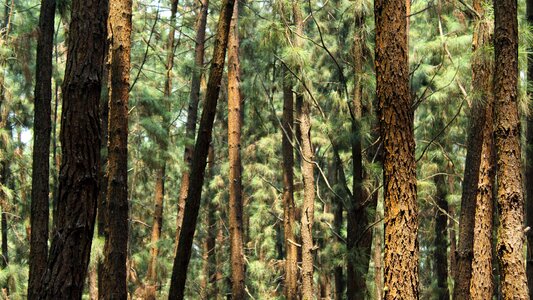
(116, 244)
(399, 165)
(507, 139)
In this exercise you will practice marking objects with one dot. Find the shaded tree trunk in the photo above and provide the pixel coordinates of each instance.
(359, 240)
(80, 140)
(378, 261)
(114, 284)
(508, 149)
(441, 241)
(41, 148)
(235, 165)
(192, 111)
(192, 206)
(399, 165)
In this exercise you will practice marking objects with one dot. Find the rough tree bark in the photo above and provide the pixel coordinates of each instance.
(192, 205)
(39, 219)
(482, 74)
(114, 284)
(507, 139)
(399, 165)
(192, 110)
(80, 139)
(464, 253)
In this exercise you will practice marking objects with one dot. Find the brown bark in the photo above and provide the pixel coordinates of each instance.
(209, 255)
(464, 253)
(378, 261)
(482, 73)
(289, 217)
(156, 234)
(337, 225)
(235, 165)
(399, 165)
(507, 139)
(529, 166)
(192, 206)
(192, 111)
(39, 219)
(114, 284)
(80, 139)
(441, 241)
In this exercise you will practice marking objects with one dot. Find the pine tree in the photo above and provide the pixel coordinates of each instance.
(192, 206)
(41, 148)
(114, 284)
(508, 149)
(399, 166)
(80, 139)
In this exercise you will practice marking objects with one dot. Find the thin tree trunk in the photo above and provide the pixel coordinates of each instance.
(114, 285)
(378, 261)
(399, 165)
(160, 176)
(359, 240)
(192, 206)
(289, 217)
(529, 166)
(80, 139)
(235, 165)
(507, 139)
(441, 241)
(41, 148)
(337, 225)
(192, 111)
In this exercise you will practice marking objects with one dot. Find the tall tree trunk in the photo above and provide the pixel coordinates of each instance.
(289, 217)
(235, 165)
(464, 253)
(507, 138)
(192, 111)
(337, 225)
(116, 244)
(160, 176)
(192, 206)
(482, 74)
(359, 240)
(41, 148)
(303, 111)
(399, 165)
(441, 242)
(80, 139)
(529, 166)
(378, 261)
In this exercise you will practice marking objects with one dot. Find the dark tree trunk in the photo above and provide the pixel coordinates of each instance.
(529, 166)
(235, 165)
(441, 241)
(359, 240)
(192, 111)
(399, 165)
(80, 140)
(507, 139)
(337, 225)
(192, 206)
(114, 285)
(41, 148)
